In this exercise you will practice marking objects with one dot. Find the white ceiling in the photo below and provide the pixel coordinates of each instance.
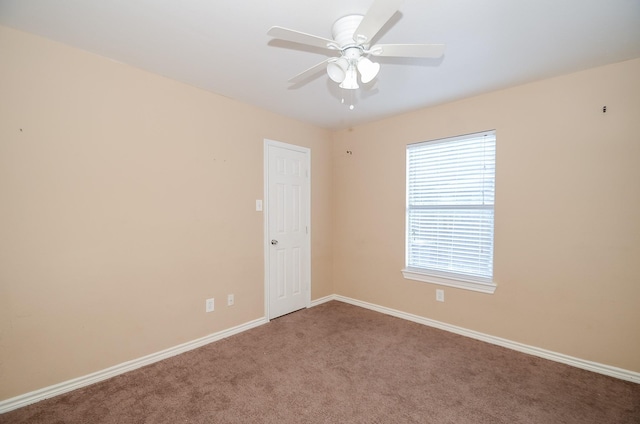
(222, 46)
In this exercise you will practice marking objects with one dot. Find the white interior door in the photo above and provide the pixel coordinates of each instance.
(287, 234)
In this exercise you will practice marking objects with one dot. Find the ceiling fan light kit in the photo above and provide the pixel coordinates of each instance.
(337, 69)
(368, 70)
(351, 79)
(352, 35)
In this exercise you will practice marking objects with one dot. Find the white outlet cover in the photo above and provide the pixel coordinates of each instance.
(209, 305)
(440, 295)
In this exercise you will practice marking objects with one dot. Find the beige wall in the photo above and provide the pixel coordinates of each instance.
(567, 232)
(126, 199)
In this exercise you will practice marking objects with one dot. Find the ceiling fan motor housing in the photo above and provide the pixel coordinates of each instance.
(344, 28)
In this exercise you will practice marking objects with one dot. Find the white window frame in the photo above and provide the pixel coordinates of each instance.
(483, 284)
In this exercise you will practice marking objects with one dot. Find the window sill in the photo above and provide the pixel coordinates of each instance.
(420, 275)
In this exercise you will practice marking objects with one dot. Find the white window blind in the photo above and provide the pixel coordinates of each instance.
(450, 200)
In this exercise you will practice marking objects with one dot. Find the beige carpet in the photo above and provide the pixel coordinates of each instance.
(337, 363)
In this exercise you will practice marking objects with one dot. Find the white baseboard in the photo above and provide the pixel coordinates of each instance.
(322, 300)
(76, 383)
(619, 373)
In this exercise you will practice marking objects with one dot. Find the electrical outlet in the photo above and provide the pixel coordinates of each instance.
(209, 305)
(440, 295)
(230, 300)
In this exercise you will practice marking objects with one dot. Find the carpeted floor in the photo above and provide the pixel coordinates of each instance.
(337, 363)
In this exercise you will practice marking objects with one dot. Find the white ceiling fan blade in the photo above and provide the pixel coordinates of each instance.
(300, 37)
(408, 50)
(313, 70)
(377, 15)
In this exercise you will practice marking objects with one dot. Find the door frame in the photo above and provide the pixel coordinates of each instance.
(266, 242)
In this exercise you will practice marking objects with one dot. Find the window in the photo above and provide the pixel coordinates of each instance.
(450, 199)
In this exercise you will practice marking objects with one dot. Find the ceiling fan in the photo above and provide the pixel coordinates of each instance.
(352, 35)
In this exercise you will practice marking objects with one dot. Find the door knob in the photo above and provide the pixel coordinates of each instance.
(274, 242)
